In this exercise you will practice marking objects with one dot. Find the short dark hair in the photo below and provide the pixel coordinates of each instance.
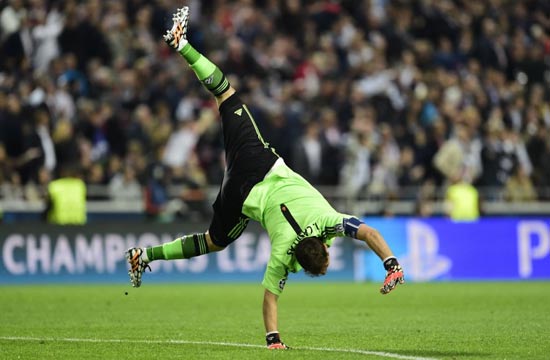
(312, 255)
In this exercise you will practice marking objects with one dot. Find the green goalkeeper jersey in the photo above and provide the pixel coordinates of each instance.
(310, 210)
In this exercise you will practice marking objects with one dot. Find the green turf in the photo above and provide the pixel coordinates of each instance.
(436, 320)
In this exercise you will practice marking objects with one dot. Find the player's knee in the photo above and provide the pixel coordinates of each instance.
(211, 246)
(226, 95)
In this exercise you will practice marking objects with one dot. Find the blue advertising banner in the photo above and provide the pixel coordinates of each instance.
(95, 253)
(429, 250)
(440, 249)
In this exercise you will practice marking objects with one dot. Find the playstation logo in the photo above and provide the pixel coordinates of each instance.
(423, 263)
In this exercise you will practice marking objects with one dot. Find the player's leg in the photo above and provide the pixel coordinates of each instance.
(207, 72)
(238, 125)
(185, 247)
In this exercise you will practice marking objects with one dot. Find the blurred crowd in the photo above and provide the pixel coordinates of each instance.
(375, 97)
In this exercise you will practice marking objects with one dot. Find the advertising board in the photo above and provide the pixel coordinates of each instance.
(429, 250)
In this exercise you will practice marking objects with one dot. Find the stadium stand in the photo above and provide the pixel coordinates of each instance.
(380, 103)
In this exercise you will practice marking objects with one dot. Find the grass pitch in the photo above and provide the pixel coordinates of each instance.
(319, 320)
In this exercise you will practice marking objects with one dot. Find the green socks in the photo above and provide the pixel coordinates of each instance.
(182, 248)
(209, 74)
(190, 54)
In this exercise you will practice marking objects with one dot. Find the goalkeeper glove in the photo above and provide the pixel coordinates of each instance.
(274, 341)
(394, 275)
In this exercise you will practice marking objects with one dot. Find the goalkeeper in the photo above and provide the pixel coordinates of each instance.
(259, 185)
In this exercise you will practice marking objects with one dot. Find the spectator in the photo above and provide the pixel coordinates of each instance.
(45, 33)
(409, 174)
(497, 159)
(358, 148)
(40, 141)
(307, 154)
(519, 187)
(459, 157)
(12, 17)
(539, 150)
(331, 138)
(18, 48)
(384, 175)
(124, 186)
(65, 142)
(179, 148)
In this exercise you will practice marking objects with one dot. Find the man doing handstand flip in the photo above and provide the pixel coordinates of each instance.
(258, 185)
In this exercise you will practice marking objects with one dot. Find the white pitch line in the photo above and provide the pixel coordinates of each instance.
(215, 343)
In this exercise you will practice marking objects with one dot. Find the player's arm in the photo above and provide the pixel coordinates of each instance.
(374, 240)
(270, 321)
(355, 228)
(270, 311)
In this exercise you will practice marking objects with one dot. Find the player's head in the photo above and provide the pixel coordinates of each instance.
(312, 255)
